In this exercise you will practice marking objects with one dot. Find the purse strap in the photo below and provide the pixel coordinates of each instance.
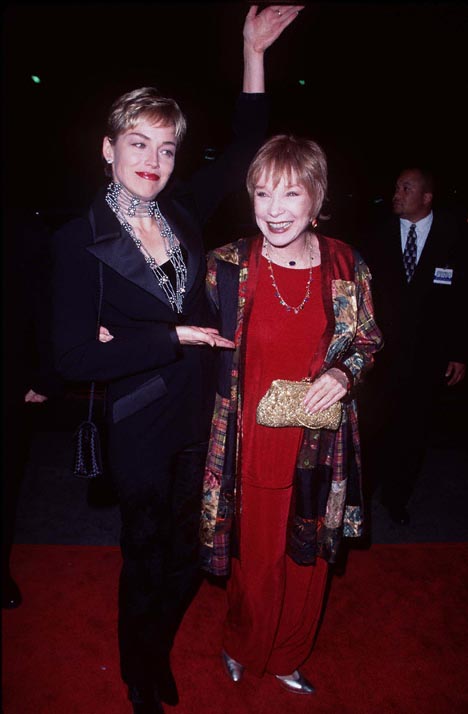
(98, 324)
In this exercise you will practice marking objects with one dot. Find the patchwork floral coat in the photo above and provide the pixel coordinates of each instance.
(327, 496)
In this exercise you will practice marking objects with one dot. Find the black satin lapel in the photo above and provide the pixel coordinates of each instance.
(116, 249)
(187, 231)
(195, 256)
(123, 256)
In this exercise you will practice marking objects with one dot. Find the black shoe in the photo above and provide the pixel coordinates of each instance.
(11, 595)
(166, 685)
(147, 708)
(144, 700)
(399, 515)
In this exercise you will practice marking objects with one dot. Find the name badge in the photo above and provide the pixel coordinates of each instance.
(443, 276)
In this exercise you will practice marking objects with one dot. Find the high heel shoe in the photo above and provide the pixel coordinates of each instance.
(234, 669)
(144, 700)
(296, 683)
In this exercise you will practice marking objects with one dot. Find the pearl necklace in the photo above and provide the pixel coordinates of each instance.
(289, 308)
(118, 199)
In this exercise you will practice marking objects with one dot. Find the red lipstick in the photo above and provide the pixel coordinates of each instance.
(148, 176)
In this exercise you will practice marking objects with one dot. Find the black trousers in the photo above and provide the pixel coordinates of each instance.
(19, 421)
(394, 418)
(403, 447)
(161, 570)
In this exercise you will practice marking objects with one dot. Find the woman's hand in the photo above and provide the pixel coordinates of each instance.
(329, 388)
(34, 397)
(105, 335)
(187, 334)
(262, 29)
(190, 335)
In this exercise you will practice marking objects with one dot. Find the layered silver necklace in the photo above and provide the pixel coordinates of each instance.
(122, 202)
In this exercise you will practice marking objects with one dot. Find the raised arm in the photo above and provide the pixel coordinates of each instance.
(210, 184)
(261, 29)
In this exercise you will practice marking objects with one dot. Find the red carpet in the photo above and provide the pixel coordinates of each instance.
(393, 640)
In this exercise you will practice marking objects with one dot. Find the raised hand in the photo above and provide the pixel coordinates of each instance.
(262, 28)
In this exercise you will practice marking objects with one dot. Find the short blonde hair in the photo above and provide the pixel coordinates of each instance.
(146, 102)
(301, 160)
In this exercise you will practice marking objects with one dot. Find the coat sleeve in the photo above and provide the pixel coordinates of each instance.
(211, 282)
(35, 235)
(368, 338)
(455, 317)
(227, 173)
(79, 356)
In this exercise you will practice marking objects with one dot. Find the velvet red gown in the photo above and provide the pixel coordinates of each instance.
(274, 604)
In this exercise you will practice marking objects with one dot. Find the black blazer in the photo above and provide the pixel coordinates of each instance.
(153, 381)
(423, 322)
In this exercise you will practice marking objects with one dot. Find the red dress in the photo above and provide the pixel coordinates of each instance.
(274, 604)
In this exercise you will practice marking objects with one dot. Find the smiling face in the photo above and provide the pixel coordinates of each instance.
(283, 210)
(142, 157)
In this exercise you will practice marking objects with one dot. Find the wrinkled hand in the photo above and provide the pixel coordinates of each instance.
(34, 397)
(104, 334)
(190, 335)
(455, 372)
(262, 29)
(329, 388)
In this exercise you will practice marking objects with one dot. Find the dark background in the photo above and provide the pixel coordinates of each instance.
(385, 85)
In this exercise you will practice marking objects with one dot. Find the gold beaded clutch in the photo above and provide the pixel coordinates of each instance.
(283, 405)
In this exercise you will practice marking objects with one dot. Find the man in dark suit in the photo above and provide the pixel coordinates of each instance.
(417, 268)
(30, 385)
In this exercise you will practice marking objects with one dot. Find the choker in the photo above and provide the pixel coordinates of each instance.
(128, 203)
(119, 199)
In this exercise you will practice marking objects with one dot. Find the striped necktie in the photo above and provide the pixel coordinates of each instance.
(409, 256)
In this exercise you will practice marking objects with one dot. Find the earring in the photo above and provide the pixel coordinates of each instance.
(314, 222)
(109, 161)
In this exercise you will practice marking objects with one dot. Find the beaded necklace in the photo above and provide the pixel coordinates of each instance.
(289, 308)
(119, 199)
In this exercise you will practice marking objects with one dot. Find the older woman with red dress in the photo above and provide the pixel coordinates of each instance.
(278, 501)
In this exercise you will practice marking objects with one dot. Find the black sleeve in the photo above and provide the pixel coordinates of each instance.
(457, 347)
(27, 283)
(45, 379)
(210, 184)
(79, 356)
